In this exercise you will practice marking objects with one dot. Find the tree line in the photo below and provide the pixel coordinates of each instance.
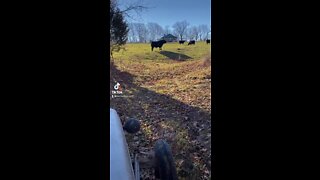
(122, 32)
(140, 32)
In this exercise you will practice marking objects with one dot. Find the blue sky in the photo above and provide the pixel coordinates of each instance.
(167, 12)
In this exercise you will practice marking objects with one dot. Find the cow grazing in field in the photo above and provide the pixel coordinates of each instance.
(181, 42)
(192, 42)
(208, 41)
(157, 44)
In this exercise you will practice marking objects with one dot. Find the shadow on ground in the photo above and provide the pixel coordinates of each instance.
(175, 56)
(186, 128)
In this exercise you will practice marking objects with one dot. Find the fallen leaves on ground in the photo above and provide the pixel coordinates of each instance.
(173, 102)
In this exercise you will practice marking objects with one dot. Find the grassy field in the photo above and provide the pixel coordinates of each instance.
(170, 51)
(169, 91)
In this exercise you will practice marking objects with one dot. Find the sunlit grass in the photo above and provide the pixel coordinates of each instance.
(142, 51)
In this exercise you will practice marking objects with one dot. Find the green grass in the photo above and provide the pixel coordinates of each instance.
(165, 73)
(142, 51)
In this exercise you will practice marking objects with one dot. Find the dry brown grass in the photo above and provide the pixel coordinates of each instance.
(172, 99)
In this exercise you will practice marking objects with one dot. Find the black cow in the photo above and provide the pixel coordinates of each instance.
(208, 41)
(157, 44)
(181, 42)
(192, 42)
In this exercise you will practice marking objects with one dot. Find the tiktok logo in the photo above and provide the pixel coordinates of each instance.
(117, 90)
(117, 87)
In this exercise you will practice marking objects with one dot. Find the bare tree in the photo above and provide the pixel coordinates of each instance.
(159, 31)
(180, 28)
(208, 33)
(155, 31)
(142, 32)
(152, 31)
(167, 30)
(132, 35)
(194, 32)
(133, 9)
(204, 31)
(188, 34)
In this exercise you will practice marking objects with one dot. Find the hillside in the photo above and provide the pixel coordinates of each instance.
(169, 91)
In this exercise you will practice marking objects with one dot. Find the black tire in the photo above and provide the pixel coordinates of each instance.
(132, 126)
(165, 168)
